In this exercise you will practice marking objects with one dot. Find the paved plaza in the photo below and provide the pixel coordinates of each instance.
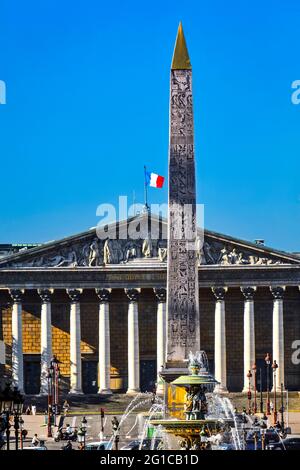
(35, 425)
(132, 427)
(129, 430)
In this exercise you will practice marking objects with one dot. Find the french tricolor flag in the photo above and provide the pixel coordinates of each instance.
(154, 180)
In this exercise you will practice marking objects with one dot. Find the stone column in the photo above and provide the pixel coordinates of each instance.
(17, 339)
(249, 333)
(75, 339)
(220, 339)
(133, 342)
(104, 342)
(278, 334)
(161, 332)
(46, 337)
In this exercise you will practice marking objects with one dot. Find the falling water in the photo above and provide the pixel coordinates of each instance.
(139, 400)
(154, 410)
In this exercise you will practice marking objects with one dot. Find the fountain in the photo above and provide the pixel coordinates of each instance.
(196, 419)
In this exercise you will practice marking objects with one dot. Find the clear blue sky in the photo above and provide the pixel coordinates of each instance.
(87, 107)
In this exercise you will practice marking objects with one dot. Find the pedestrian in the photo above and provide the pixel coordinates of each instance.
(68, 446)
(66, 407)
(278, 426)
(33, 410)
(271, 406)
(68, 430)
(28, 410)
(35, 441)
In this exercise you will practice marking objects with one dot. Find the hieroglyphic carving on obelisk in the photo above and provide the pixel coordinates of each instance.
(182, 284)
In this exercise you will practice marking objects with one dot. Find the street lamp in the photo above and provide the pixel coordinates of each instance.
(275, 367)
(55, 384)
(21, 422)
(18, 402)
(263, 439)
(260, 392)
(282, 409)
(101, 424)
(49, 381)
(268, 362)
(249, 375)
(11, 404)
(254, 380)
(115, 429)
(6, 407)
(82, 432)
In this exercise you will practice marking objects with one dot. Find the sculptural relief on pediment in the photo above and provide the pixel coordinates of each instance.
(226, 254)
(93, 252)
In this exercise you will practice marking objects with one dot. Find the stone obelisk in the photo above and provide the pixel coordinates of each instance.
(182, 278)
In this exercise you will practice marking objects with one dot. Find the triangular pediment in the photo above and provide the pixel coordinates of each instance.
(226, 250)
(116, 247)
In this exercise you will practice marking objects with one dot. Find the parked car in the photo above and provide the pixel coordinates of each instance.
(225, 446)
(41, 446)
(99, 445)
(289, 443)
(146, 445)
(271, 437)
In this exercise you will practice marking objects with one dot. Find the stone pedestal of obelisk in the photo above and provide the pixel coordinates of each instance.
(183, 325)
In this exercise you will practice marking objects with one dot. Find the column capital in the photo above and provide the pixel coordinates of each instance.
(45, 294)
(133, 294)
(74, 294)
(160, 293)
(219, 292)
(277, 292)
(103, 294)
(248, 292)
(17, 295)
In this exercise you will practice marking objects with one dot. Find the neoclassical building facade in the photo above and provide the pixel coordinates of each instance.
(99, 305)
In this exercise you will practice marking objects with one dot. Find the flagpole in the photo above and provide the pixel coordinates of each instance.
(133, 202)
(145, 188)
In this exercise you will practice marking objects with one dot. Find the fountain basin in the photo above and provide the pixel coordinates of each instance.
(182, 426)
